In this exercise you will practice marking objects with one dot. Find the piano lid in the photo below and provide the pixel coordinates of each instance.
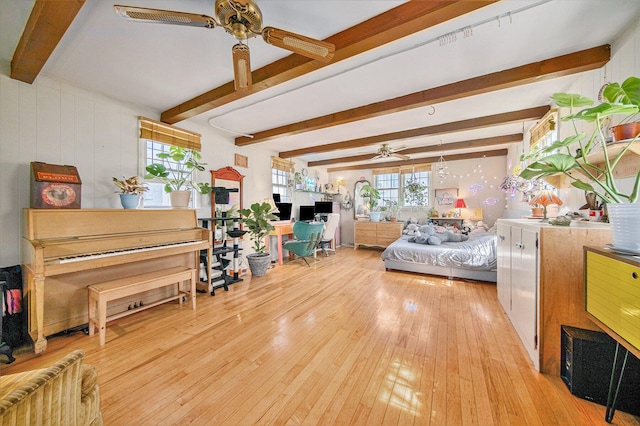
(39, 224)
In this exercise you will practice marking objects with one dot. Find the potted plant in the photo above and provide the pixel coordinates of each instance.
(622, 100)
(415, 193)
(256, 221)
(392, 209)
(373, 196)
(130, 190)
(179, 179)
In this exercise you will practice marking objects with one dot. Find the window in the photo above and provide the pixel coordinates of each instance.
(282, 178)
(156, 137)
(279, 181)
(156, 197)
(391, 184)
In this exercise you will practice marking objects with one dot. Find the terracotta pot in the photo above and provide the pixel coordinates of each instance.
(537, 211)
(625, 131)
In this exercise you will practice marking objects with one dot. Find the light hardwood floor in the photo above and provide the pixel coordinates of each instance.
(340, 342)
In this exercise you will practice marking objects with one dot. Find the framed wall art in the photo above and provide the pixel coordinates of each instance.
(446, 196)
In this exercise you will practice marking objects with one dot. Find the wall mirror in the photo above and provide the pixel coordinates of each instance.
(229, 178)
(360, 203)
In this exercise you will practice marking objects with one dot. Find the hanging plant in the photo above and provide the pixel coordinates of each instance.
(415, 192)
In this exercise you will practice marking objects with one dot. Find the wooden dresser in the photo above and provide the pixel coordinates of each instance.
(379, 234)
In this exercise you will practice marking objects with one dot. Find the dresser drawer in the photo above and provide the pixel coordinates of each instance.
(613, 295)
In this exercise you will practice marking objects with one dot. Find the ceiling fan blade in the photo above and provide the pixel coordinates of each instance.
(399, 148)
(401, 156)
(159, 16)
(296, 43)
(241, 66)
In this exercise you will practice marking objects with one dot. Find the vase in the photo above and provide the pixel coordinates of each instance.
(625, 226)
(259, 263)
(180, 199)
(130, 201)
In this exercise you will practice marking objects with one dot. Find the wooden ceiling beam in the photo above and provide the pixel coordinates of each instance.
(560, 66)
(474, 143)
(399, 22)
(455, 157)
(47, 23)
(457, 126)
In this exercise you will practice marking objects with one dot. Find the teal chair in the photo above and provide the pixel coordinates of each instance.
(306, 237)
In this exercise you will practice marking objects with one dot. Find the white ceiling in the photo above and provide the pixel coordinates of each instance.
(161, 66)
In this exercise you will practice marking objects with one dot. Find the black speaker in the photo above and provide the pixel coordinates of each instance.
(586, 362)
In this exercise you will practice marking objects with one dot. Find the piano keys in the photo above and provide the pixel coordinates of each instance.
(64, 251)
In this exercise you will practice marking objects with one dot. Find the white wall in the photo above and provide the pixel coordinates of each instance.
(463, 175)
(54, 122)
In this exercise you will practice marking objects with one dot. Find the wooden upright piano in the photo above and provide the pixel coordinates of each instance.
(64, 251)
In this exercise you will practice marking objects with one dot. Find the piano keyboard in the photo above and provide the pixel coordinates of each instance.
(86, 257)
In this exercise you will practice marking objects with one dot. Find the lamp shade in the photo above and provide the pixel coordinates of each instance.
(545, 198)
(460, 204)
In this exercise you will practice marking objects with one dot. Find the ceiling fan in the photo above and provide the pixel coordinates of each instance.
(242, 19)
(385, 151)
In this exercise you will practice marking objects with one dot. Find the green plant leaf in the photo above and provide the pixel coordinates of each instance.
(550, 165)
(571, 100)
(626, 93)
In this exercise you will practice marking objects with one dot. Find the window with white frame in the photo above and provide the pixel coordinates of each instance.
(155, 138)
(391, 184)
(279, 182)
(281, 178)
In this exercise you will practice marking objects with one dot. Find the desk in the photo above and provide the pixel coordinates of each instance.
(283, 227)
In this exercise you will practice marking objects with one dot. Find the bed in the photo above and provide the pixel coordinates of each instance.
(474, 259)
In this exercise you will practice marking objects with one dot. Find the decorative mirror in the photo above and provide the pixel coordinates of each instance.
(360, 203)
(231, 179)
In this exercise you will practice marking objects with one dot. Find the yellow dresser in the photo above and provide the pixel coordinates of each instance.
(613, 294)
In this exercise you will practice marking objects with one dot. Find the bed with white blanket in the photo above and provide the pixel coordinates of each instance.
(474, 259)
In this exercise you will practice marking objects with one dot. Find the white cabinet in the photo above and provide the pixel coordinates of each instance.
(540, 282)
(518, 282)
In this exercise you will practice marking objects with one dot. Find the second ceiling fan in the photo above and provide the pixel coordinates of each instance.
(242, 19)
(385, 151)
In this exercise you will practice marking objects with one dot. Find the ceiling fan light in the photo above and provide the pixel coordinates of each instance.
(241, 67)
(306, 46)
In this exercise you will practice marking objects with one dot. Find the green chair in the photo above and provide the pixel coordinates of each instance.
(306, 237)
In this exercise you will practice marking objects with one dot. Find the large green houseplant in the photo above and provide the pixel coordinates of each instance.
(256, 220)
(180, 176)
(621, 102)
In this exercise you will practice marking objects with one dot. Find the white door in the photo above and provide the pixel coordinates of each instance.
(504, 266)
(524, 288)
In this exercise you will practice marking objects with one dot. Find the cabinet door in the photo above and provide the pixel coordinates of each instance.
(524, 288)
(504, 266)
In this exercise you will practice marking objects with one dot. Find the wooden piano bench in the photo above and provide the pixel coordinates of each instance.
(102, 293)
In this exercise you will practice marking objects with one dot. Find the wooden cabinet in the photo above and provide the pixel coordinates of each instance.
(379, 234)
(613, 295)
(540, 282)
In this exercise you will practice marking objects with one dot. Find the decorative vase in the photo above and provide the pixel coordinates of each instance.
(258, 263)
(625, 131)
(130, 201)
(625, 226)
(375, 216)
(180, 199)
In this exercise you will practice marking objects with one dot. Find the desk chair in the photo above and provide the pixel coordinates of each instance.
(306, 237)
(329, 236)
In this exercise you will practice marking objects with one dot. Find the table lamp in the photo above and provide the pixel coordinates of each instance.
(545, 198)
(460, 205)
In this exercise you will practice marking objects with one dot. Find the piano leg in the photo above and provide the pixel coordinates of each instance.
(39, 341)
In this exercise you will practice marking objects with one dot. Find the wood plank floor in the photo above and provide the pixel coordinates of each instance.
(340, 342)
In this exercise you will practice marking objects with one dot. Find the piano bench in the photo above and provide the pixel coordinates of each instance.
(102, 293)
